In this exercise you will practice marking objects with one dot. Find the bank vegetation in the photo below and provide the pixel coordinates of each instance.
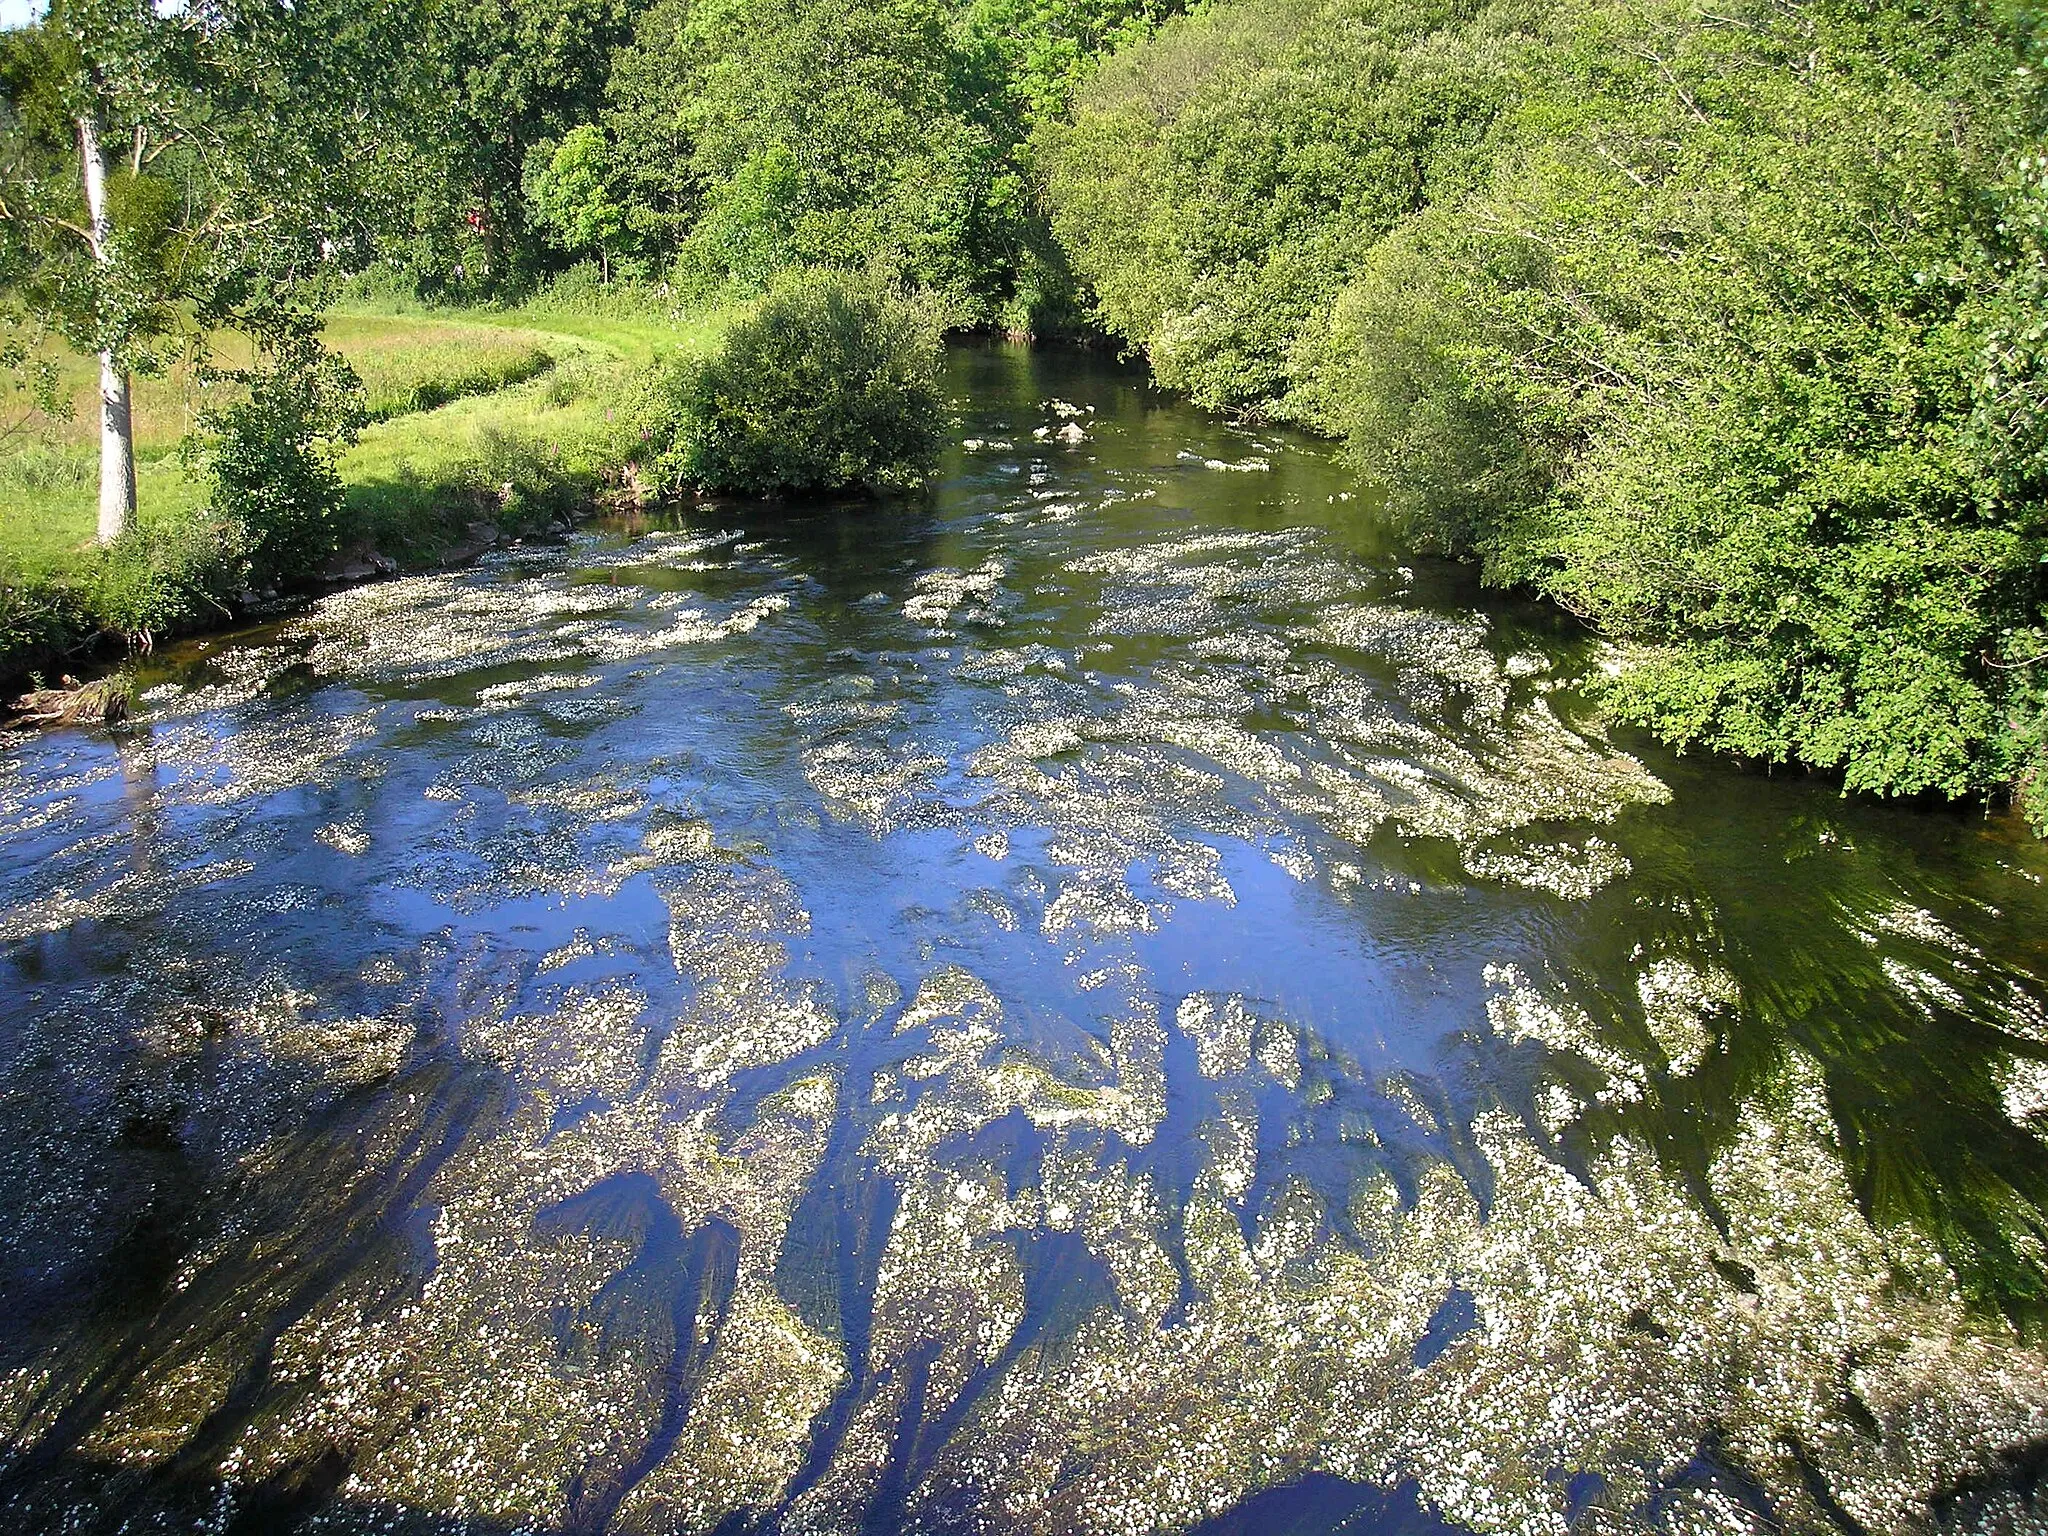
(1722, 325)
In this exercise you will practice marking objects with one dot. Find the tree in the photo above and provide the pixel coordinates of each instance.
(175, 170)
(1218, 183)
(647, 115)
(1728, 357)
(93, 281)
(752, 135)
(508, 75)
(568, 187)
(833, 132)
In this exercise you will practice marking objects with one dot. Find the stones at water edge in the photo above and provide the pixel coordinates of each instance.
(364, 564)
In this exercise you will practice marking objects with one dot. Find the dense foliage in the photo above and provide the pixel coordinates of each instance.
(1723, 329)
(831, 383)
(507, 78)
(268, 455)
(1219, 184)
(748, 136)
(710, 143)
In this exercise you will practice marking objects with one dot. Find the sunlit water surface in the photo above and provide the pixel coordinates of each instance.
(1113, 1000)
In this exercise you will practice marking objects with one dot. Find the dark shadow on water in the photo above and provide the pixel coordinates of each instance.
(84, 1497)
(1456, 1316)
(1319, 1505)
(669, 1303)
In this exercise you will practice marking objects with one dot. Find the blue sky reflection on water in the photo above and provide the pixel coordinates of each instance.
(1114, 998)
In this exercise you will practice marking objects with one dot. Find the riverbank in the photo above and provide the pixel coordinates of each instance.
(486, 425)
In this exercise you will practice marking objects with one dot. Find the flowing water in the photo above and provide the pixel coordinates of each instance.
(1116, 1000)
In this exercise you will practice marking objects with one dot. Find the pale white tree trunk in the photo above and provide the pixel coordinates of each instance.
(117, 417)
(117, 452)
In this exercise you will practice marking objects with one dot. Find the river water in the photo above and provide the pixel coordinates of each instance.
(1116, 1000)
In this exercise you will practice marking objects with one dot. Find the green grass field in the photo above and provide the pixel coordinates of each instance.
(438, 382)
(405, 362)
(500, 413)
(554, 425)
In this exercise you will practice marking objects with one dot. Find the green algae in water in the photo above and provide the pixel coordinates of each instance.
(1112, 1000)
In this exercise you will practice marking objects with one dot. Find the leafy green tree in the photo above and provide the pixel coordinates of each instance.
(753, 135)
(101, 286)
(1711, 361)
(507, 75)
(169, 171)
(1035, 52)
(650, 103)
(1218, 183)
(835, 132)
(568, 188)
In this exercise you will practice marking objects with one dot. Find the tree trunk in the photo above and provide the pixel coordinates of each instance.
(117, 452)
(117, 418)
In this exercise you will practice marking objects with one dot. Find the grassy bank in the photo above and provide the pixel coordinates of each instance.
(500, 417)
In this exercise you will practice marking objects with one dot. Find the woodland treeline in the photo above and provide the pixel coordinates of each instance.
(1723, 325)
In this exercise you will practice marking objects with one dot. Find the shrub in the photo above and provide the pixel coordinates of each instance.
(162, 577)
(269, 455)
(831, 384)
(158, 578)
(38, 616)
(525, 476)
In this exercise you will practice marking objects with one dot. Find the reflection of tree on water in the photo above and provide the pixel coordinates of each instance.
(1917, 1038)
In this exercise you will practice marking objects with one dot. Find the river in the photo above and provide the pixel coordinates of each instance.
(1113, 1000)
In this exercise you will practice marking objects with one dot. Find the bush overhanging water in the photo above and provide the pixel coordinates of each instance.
(830, 384)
